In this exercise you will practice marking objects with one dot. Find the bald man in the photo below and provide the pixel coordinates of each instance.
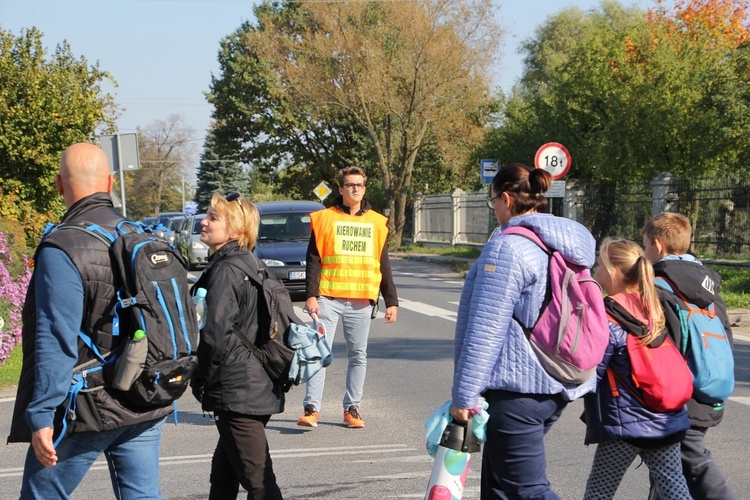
(72, 290)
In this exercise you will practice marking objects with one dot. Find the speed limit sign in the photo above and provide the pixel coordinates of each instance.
(554, 158)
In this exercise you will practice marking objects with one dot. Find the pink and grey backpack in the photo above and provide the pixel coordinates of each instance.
(571, 333)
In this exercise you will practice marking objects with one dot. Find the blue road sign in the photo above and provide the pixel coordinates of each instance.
(488, 169)
(190, 207)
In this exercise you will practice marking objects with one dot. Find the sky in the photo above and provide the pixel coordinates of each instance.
(162, 53)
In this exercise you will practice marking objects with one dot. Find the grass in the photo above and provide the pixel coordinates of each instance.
(735, 285)
(463, 251)
(11, 370)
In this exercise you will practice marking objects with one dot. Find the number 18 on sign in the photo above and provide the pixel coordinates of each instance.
(554, 158)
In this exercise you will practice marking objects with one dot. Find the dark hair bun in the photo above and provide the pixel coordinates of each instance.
(539, 181)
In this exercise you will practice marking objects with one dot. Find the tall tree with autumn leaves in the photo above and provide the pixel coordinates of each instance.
(378, 76)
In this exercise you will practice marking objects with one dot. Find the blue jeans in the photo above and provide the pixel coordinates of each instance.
(513, 461)
(132, 454)
(355, 314)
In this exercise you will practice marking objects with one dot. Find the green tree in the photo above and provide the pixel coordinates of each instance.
(47, 103)
(165, 148)
(218, 172)
(359, 82)
(633, 93)
(267, 131)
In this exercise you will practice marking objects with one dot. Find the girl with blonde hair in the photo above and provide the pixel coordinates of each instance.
(616, 419)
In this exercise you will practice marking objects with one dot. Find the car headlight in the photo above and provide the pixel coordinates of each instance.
(273, 263)
(198, 245)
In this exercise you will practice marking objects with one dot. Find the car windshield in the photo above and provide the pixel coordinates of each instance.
(284, 227)
(197, 225)
(175, 223)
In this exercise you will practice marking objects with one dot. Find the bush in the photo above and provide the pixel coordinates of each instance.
(13, 286)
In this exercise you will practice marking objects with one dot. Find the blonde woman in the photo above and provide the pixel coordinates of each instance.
(621, 425)
(230, 381)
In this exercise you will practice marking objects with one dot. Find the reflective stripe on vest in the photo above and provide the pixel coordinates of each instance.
(350, 247)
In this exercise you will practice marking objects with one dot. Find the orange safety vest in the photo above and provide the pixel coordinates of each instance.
(350, 247)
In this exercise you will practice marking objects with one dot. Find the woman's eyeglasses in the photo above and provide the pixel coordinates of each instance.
(491, 201)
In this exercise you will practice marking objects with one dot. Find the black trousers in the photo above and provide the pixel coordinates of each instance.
(242, 457)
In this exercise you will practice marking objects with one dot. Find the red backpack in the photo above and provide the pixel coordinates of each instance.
(660, 378)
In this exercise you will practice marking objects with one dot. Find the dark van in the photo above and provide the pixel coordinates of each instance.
(283, 236)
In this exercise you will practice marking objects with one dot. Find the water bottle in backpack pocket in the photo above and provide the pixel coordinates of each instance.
(131, 362)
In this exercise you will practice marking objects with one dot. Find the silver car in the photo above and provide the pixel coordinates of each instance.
(188, 241)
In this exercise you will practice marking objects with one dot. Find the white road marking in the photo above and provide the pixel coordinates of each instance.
(276, 454)
(427, 309)
(740, 399)
(423, 457)
(741, 337)
(306, 317)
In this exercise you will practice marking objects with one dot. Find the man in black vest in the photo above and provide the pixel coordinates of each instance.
(72, 290)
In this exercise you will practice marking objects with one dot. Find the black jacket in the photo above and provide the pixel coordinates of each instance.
(229, 377)
(313, 268)
(700, 285)
(97, 410)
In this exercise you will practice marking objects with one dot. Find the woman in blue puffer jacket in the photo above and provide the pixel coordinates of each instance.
(615, 417)
(493, 358)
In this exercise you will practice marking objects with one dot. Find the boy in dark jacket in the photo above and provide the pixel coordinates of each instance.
(666, 239)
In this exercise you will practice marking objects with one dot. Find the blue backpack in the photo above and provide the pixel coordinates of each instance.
(705, 345)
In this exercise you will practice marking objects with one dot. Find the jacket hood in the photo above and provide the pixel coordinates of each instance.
(571, 239)
(698, 283)
(625, 309)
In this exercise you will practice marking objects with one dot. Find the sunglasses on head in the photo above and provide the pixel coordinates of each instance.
(234, 197)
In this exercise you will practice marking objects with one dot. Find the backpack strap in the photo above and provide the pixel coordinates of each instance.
(94, 230)
(530, 235)
(666, 284)
(257, 276)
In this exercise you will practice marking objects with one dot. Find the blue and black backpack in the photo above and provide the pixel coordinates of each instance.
(153, 297)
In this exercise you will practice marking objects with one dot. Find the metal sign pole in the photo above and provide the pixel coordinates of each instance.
(122, 176)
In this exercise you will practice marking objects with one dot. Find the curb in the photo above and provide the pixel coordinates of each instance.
(8, 393)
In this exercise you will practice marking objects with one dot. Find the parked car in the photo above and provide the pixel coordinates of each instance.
(283, 236)
(188, 241)
(149, 221)
(171, 222)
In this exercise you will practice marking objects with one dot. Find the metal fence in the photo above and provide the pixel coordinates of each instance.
(718, 207)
